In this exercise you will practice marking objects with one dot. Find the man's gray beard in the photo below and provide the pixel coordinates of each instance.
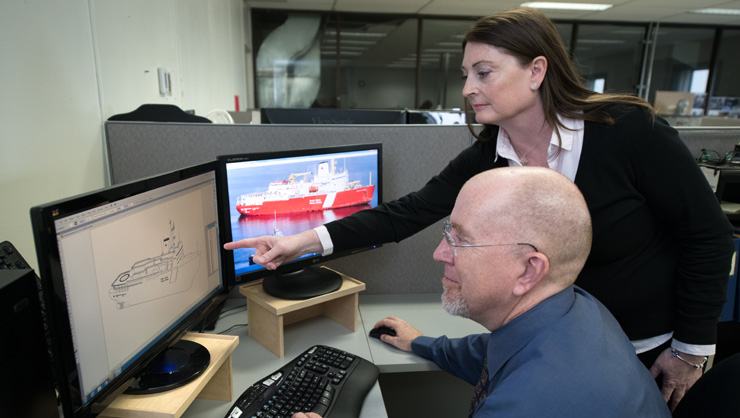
(454, 305)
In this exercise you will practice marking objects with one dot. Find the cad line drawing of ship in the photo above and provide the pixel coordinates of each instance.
(304, 192)
(169, 273)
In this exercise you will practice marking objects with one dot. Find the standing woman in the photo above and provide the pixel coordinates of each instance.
(661, 244)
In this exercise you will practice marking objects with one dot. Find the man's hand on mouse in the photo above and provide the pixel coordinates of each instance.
(405, 333)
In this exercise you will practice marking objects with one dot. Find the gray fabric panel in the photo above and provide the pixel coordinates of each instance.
(718, 139)
(412, 154)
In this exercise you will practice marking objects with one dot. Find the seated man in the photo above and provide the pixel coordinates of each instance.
(515, 242)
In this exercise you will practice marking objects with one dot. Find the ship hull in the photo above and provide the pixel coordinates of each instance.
(163, 278)
(310, 203)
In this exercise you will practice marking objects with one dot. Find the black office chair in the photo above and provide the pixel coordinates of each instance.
(159, 113)
(714, 395)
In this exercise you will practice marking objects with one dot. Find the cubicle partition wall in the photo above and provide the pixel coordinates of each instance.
(412, 154)
(721, 139)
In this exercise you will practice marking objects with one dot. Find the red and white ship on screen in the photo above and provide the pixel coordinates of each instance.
(304, 192)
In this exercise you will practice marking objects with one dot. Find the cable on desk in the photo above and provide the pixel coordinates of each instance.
(244, 305)
(232, 327)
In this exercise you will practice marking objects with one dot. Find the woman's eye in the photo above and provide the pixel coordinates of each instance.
(483, 74)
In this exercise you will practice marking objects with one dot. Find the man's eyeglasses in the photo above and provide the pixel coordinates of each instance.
(451, 241)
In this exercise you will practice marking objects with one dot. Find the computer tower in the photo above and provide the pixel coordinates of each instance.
(27, 389)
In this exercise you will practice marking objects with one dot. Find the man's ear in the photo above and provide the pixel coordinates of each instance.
(536, 267)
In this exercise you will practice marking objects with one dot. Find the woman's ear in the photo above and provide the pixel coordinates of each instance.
(539, 69)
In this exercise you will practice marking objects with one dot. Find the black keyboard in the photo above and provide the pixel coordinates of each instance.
(324, 380)
(10, 258)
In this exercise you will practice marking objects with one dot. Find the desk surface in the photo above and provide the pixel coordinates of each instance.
(251, 361)
(425, 313)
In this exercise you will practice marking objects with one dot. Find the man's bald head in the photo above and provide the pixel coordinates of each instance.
(538, 206)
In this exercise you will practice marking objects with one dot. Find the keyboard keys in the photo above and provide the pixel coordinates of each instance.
(310, 383)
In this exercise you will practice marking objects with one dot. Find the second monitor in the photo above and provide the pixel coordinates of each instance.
(288, 192)
(125, 272)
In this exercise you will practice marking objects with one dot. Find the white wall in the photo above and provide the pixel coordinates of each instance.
(69, 65)
(201, 42)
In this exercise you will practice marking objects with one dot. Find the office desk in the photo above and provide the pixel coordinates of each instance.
(425, 313)
(251, 361)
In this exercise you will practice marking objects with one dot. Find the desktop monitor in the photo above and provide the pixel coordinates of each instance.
(288, 192)
(124, 272)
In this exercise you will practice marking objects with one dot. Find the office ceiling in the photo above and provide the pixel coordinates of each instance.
(673, 11)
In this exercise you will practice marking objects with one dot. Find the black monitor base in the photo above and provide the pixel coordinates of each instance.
(176, 366)
(302, 284)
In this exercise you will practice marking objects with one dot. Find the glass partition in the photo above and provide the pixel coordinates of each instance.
(680, 67)
(371, 61)
(609, 56)
(726, 88)
(374, 70)
(441, 57)
(287, 65)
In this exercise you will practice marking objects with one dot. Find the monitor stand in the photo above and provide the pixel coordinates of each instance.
(214, 384)
(176, 366)
(269, 315)
(306, 283)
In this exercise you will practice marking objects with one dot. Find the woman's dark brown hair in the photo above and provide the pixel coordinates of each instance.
(526, 33)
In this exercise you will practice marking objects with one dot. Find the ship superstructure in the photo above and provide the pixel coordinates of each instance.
(168, 273)
(306, 192)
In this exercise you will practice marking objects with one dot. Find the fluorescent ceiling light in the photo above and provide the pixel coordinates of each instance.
(717, 11)
(356, 34)
(444, 51)
(343, 53)
(344, 48)
(566, 6)
(600, 41)
(634, 31)
(343, 42)
(413, 59)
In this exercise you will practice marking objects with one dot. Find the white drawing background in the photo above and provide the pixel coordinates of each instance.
(120, 244)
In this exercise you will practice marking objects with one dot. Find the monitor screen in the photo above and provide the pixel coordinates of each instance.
(125, 271)
(288, 192)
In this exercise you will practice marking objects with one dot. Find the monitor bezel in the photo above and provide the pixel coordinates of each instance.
(227, 257)
(54, 299)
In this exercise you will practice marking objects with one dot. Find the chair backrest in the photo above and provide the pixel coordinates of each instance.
(159, 113)
(714, 395)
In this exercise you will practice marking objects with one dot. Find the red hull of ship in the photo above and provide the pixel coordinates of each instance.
(313, 203)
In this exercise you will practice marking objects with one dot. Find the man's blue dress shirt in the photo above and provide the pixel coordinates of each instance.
(566, 357)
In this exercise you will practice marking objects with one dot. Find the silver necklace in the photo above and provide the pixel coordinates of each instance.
(523, 157)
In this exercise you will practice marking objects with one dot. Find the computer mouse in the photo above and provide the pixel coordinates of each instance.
(377, 332)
